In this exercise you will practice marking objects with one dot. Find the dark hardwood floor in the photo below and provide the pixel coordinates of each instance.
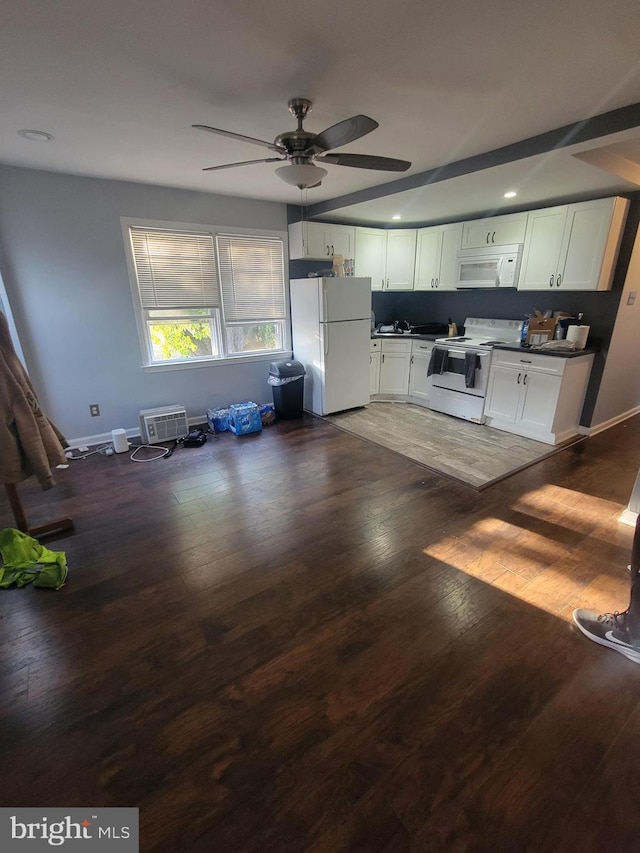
(298, 641)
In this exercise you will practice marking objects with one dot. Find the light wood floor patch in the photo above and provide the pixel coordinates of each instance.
(476, 454)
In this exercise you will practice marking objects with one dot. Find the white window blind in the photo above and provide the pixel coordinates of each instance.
(251, 278)
(175, 269)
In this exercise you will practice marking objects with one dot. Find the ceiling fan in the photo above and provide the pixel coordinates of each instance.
(302, 150)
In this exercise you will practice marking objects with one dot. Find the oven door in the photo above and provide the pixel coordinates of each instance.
(454, 376)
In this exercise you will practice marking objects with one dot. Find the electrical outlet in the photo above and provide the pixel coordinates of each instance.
(94, 408)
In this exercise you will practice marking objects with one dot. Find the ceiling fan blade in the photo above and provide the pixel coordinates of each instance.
(366, 161)
(244, 163)
(341, 133)
(240, 136)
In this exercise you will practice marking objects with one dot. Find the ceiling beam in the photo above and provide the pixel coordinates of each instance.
(605, 124)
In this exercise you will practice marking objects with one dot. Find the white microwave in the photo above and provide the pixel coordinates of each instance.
(490, 266)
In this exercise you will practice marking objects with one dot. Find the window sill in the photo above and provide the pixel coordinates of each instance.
(276, 355)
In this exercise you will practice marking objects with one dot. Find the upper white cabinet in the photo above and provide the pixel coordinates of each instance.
(320, 240)
(386, 257)
(573, 246)
(436, 256)
(401, 259)
(494, 231)
(371, 255)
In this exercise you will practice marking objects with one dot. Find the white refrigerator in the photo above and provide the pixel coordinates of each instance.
(331, 325)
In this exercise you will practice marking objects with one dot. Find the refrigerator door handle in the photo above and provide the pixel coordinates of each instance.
(326, 339)
(325, 308)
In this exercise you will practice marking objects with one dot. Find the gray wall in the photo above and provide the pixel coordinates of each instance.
(620, 384)
(63, 264)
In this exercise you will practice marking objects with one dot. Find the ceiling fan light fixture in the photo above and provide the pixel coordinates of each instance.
(301, 175)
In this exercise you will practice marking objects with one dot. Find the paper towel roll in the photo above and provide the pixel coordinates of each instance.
(579, 335)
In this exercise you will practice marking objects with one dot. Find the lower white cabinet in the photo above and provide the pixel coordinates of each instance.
(418, 380)
(395, 362)
(374, 368)
(538, 396)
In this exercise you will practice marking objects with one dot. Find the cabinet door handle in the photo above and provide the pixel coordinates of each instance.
(411, 362)
(493, 237)
(382, 280)
(327, 251)
(488, 235)
(383, 358)
(524, 381)
(558, 280)
(431, 282)
(437, 281)
(519, 375)
(332, 250)
(551, 281)
(387, 284)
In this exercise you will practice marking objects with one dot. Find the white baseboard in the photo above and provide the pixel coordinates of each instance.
(594, 430)
(105, 437)
(628, 517)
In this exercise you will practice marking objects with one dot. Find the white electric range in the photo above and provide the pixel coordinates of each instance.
(459, 366)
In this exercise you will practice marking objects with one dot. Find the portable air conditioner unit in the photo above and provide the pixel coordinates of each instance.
(165, 423)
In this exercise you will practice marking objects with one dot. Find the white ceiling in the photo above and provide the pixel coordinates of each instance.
(119, 85)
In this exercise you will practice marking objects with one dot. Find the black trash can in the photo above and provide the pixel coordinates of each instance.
(287, 383)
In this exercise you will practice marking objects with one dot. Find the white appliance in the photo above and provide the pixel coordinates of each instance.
(490, 266)
(331, 326)
(459, 366)
(164, 423)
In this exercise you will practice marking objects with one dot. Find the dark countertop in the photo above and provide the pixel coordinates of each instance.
(557, 353)
(511, 348)
(399, 335)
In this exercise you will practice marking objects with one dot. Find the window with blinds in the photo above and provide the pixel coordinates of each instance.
(174, 269)
(202, 297)
(253, 292)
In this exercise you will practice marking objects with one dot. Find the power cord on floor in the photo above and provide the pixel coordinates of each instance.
(104, 449)
(108, 450)
(166, 452)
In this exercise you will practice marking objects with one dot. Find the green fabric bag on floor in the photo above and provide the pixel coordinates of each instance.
(25, 560)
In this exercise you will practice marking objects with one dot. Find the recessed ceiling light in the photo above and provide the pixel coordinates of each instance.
(511, 194)
(36, 135)
(396, 216)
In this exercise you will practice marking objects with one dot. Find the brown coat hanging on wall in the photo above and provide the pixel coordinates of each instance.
(29, 443)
